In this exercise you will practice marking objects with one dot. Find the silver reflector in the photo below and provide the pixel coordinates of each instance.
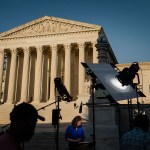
(107, 76)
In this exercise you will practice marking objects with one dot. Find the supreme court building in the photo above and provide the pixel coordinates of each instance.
(34, 54)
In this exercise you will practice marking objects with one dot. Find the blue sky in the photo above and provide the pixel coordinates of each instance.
(125, 22)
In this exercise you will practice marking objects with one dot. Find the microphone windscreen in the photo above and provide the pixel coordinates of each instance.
(41, 118)
(80, 108)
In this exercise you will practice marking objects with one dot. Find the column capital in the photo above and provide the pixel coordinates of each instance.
(81, 45)
(39, 48)
(2, 52)
(93, 43)
(26, 50)
(67, 46)
(54, 47)
(13, 51)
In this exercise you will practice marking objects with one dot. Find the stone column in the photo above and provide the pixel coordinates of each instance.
(12, 77)
(81, 68)
(67, 66)
(48, 78)
(53, 71)
(1, 70)
(25, 76)
(38, 76)
(95, 53)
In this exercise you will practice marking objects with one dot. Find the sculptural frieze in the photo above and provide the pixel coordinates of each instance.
(47, 27)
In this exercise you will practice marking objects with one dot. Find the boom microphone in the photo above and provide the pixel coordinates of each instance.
(80, 108)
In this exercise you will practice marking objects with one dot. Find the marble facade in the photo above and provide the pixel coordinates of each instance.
(34, 54)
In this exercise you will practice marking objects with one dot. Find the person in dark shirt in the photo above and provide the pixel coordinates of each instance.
(139, 137)
(75, 133)
(23, 121)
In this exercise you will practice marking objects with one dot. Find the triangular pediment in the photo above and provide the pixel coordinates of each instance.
(48, 25)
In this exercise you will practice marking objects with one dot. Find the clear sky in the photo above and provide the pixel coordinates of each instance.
(125, 22)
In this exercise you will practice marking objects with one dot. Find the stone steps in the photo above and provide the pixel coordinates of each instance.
(46, 141)
(44, 138)
(4, 113)
(67, 111)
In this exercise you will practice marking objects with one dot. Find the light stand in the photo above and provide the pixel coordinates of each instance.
(93, 86)
(126, 77)
(64, 95)
(58, 117)
(138, 103)
(130, 113)
(93, 108)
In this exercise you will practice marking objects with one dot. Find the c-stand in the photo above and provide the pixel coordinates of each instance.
(64, 95)
(56, 118)
(93, 81)
(55, 121)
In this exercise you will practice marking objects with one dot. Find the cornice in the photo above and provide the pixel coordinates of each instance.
(128, 64)
(48, 35)
(144, 63)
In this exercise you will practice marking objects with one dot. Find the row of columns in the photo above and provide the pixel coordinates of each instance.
(38, 71)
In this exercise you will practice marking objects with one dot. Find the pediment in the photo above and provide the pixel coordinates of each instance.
(48, 25)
